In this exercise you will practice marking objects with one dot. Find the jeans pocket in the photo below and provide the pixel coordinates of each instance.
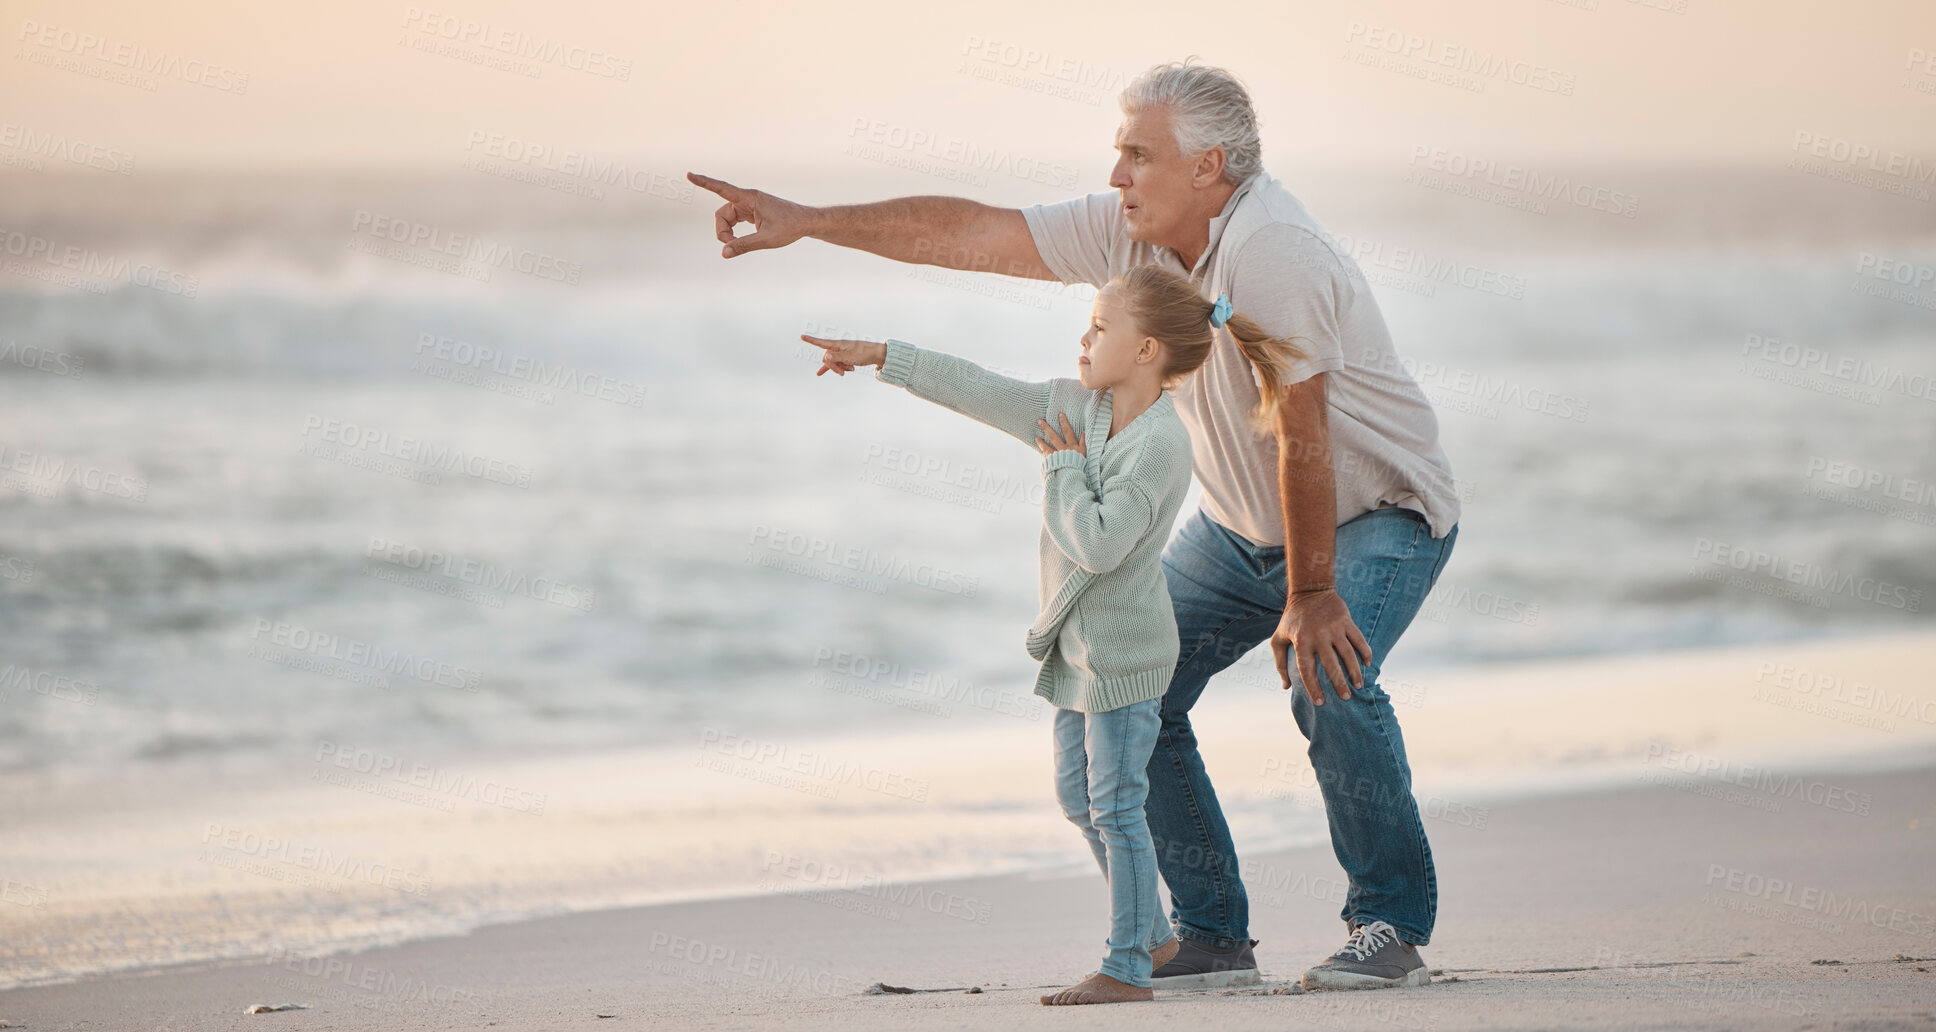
(1274, 572)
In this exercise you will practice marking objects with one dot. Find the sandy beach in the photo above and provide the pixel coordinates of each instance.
(1647, 908)
(1728, 838)
(438, 590)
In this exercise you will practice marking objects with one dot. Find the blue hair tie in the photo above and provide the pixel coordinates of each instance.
(1221, 313)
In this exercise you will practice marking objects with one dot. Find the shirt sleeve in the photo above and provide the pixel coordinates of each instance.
(1096, 534)
(1003, 402)
(1294, 285)
(1076, 237)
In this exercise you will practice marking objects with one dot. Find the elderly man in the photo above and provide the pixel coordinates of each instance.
(1323, 536)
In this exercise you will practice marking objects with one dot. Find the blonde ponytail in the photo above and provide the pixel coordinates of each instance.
(1272, 358)
(1168, 307)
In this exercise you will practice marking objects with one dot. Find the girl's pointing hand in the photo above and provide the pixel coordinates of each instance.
(841, 356)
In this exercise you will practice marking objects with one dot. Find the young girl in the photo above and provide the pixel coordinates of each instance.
(1106, 633)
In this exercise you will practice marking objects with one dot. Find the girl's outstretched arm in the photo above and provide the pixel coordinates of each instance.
(1003, 402)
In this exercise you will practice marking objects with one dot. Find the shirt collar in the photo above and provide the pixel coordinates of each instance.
(1222, 218)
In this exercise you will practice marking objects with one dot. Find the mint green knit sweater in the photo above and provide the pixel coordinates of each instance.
(1106, 633)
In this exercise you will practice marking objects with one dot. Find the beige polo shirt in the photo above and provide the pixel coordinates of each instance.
(1282, 270)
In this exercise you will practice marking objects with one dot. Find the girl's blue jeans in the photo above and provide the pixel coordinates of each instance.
(1102, 779)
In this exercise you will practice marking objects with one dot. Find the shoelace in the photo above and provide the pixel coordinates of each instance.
(1367, 939)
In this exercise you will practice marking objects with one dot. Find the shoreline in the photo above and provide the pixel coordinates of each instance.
(137, 880)
(1564, 910)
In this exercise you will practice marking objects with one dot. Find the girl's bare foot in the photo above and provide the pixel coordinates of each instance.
(1099, 988)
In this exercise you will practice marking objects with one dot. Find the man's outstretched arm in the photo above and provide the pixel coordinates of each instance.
(952, 232)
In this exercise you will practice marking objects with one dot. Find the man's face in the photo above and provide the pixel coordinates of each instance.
(1156, 179)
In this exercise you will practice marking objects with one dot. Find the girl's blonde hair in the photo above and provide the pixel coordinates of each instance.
(1168, 307)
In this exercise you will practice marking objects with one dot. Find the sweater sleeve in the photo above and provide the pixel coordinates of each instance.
(1097, 534)
(1003, 402)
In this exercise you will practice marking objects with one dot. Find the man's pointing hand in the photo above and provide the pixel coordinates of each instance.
(775, 222)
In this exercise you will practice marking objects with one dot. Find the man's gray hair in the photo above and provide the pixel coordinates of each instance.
(1208, 107)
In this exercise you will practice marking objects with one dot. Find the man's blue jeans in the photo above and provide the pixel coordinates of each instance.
(1101, 780)
(1229, 596)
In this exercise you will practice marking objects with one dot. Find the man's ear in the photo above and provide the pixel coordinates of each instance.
(1209, 170)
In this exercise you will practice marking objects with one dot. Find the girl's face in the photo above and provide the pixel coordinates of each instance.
(1115, 348)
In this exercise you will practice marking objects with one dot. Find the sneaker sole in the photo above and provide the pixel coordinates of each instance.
(1208, 979)
(1322, 978)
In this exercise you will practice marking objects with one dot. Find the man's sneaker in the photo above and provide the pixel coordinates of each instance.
(1197, 966)
(1373, 958)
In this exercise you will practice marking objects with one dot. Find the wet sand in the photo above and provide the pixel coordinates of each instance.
(1654, 907)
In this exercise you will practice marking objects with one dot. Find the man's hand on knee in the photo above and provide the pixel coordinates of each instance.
(1318, 628)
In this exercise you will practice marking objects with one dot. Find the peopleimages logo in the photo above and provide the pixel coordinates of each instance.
(517, 43)
(55, 363)
(1861, 164)
(786, 759)
(61, 147)
(485, 575)
(49, 684)
(1493, 392)
(922, 143)
(1831, 688)
(1047, 64)
(1759, 779)
(859, 670)
(41, 258)
(814, 548)
(1812, 576)
(575, 165)
(52, 473)
(1445, 54)
(1817, 900)
(402, 662)
(441, 457)
(463, 247)
(524, 368)
(1865, 156)
(802, 873)
(15, 568)
(1521, 179)
(1428, 268)
(418, 775)
(1919, 71)
(1894, 270)
(1862, 478)
(979, 479)
(245, 844)
(131, 57)
(1857, 374)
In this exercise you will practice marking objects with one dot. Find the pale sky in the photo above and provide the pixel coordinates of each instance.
(761, 84)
